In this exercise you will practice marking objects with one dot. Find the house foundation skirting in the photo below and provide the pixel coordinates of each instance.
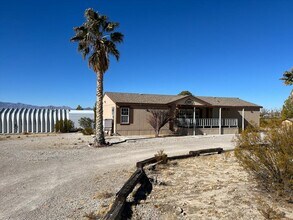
(181, 131)
(206, 131)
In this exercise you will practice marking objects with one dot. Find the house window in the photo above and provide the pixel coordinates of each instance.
(124, 115)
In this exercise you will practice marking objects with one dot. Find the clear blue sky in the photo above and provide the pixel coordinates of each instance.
(211, 48)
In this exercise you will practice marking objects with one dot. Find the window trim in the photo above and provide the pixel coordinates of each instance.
(128, 116)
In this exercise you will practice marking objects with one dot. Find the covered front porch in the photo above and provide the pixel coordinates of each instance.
(194, 120)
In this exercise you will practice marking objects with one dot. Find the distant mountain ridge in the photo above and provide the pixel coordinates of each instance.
(21, 105)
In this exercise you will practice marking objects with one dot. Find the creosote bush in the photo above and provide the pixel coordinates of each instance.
(64, 126)
(269, 156)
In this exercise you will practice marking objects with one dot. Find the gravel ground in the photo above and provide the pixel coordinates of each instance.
(208, 187)
(57, 176)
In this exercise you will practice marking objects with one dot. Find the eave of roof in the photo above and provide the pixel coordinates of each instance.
(136, 98)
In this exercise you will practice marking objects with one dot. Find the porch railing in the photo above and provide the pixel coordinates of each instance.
(207, 122)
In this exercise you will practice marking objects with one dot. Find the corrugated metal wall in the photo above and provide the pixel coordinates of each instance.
(30, 120)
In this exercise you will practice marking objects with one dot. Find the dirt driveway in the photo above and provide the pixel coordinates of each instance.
(57, 176)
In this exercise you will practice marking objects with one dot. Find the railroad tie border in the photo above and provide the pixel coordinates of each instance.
(139, 176)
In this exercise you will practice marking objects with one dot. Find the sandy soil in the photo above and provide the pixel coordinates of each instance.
(208, 187)
(60, 177)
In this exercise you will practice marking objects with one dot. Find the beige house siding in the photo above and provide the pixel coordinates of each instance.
(231, 108)
(138, 124)
(252, 116)
(108, 105)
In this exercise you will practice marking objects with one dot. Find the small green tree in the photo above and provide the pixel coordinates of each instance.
(185, 92)
(287, 111)
(79, 107)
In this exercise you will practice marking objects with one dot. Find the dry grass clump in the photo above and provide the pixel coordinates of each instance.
(269, 157)
(161, 156)
(103, 195)
(269, 212)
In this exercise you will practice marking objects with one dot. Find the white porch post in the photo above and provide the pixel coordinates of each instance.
(193, 120)
(243, 117)
(220, 120)
(115, 120)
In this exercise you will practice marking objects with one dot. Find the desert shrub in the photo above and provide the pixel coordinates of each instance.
(268, 157)
(64, 126)
(87, 125)
(87, 131)
(86, 122)
(270, 122)
(161, 156)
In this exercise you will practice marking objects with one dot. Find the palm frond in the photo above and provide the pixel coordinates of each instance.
(111, 26)
(112, 49)
(288, 77)
(117, 37)
(97, 40)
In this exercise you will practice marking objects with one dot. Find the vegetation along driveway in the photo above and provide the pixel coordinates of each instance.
(57, 176)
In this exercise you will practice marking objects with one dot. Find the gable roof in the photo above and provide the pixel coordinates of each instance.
(143, 98)
(136, 98)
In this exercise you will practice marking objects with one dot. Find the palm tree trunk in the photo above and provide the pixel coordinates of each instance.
(99, 139)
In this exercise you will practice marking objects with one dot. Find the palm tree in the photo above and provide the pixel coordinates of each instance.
(288, 77)
(97, 40)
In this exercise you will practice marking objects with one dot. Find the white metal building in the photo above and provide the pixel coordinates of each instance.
(19, 120)
(33, 120)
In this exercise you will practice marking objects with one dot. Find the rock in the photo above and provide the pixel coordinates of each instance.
(178, 211)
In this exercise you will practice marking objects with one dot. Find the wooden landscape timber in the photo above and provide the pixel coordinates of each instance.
(139, 176)
(117, 208)
(141, 164)
(206, 151)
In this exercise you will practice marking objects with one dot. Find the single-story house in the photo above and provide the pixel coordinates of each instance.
(192, 114)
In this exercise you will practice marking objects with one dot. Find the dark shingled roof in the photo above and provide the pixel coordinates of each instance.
(143, 98)
(166, 99)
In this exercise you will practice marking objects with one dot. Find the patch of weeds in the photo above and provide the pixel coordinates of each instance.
(161, 156)
(90, 215)
(170, 173)
(269, 212)
(227, 156)
(103, 195)
(173, 163)
(8, 136)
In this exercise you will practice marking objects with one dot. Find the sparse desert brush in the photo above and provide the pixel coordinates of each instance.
(87, 131)
(103, 195)
(269, 212)
(269, 157)
(161, 156)
(267, 123)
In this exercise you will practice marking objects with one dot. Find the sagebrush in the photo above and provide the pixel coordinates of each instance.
(269, 157)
